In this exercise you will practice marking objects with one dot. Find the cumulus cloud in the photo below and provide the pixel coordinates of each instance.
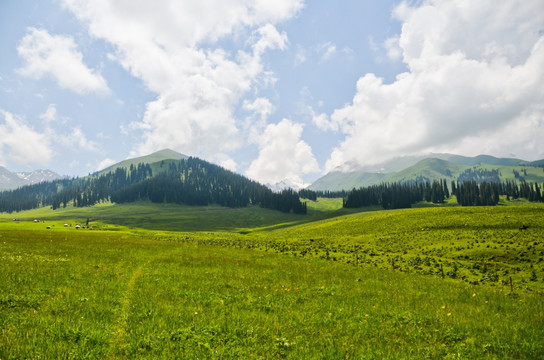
(107, 162)
(260, 109)
(21, 143)
(77, 139)
(475, 85)
(57, 57)
(171, 46)
(225, 161)
(283, 155)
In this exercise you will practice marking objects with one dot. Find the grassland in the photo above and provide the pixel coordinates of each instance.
(416, 283)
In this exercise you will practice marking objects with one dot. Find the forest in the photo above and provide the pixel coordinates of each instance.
(190, 181)
(468, 193)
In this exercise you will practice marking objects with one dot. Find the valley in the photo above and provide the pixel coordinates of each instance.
(167, 256)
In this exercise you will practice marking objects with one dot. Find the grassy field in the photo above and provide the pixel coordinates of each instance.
(415, 283)
(176, 217)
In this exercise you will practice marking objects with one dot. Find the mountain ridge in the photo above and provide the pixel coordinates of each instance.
(161, 155)
(429, 167)
(12, 180)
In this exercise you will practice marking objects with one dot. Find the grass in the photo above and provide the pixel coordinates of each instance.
(176, 217)
(333, 285)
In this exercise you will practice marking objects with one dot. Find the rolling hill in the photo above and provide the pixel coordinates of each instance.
(161, 177)
(433, 167)
(153, 159)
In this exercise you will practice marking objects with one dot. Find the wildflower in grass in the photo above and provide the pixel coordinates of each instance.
(322, 286)
(473, 295)
(443, 306)
(449, 314)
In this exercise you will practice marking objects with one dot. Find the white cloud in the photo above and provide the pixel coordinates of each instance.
(225, 161)
(57, 57)
(198, 86)
(300, 56)
(50, 114)
(282, 155)
(323, 122)
(475, 84)
(261, 109)
(74, 139)
(260, 106)
(21, 143)
(392, 46)
(327, 50)
(105, 163)
(77, 139)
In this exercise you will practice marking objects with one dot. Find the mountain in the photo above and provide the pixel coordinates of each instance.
(286, 184)
(10, 180)
(338, 180)
(161, 177)
(431, 167)
(154, 158)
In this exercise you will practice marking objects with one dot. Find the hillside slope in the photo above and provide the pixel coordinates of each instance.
(432, 167)
(156, 157)
(189, 181)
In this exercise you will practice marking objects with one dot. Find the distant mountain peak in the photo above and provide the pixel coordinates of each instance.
(407, 168)
(10, 180)
(286, 184)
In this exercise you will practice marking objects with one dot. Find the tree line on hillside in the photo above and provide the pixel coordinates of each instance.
(314, 194)
(78, 191)
(397, 195)
(190, 181)
(468, 193)
(196, 182)
(480, 176)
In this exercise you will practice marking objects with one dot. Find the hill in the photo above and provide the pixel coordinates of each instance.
(433, 167)
(154, 158)
(189, 181)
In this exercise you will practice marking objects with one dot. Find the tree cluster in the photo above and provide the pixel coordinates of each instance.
(473, 194)
(190, 181)
(196, 182)
(480, 176)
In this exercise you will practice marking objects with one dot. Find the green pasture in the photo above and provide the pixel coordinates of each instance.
(176, 217)
(166, 281)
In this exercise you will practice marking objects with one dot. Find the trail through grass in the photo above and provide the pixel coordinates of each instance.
(405, 284)
(120, 295)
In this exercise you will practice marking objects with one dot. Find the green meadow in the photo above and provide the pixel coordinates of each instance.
(166, 281)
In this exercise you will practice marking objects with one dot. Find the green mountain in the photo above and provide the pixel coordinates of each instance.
(338, 180)
(161, 177)
(155, 158)
(434, 167)
(428, 169)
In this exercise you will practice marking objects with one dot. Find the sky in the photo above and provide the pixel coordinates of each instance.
(283, 90)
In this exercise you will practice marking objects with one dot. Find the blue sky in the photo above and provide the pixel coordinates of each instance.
(283, 90)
